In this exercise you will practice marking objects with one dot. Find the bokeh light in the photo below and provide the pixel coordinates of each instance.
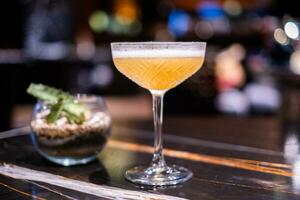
(126, 11)
(101, 75)
(125, 20)
(280, 36)
(162, 34)
(229, 69)
(233, 7)
(99, 21)
(295, 62)
(204, 30)
(210, 10)
(178, 22)
(292, 30)
(132, 29)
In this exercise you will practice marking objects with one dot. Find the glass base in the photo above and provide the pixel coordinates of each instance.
(143, 175)
(67, 161)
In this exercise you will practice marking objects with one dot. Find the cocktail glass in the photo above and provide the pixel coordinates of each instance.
(158, 67)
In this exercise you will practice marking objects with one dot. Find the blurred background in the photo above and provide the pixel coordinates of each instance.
(251, 69)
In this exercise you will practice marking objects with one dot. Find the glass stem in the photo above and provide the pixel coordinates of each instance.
(158, 161)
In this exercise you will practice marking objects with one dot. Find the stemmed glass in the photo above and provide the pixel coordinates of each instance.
(158, 67)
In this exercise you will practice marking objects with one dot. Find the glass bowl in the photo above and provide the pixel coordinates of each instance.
(71, 144)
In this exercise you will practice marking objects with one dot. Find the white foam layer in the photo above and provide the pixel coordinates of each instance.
(158, 53)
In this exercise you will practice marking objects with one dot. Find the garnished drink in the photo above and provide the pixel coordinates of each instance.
(68, 130)
(158, 67)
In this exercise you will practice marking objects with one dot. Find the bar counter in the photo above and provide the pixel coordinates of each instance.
(231, 159)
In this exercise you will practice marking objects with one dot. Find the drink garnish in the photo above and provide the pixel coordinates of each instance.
(60, 104)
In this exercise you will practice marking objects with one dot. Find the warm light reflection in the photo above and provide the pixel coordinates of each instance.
(280, 36)
(233, 7)
(229, 70)
(230, 75)
(126, 11)
(85, 47)
(295, 62)
(125, 19)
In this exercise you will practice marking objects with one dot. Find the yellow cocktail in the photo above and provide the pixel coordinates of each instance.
(158, 67)
(158, 73)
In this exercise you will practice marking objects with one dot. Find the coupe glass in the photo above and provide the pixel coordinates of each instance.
(158, 67)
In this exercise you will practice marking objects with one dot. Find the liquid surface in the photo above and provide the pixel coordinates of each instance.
(158, 72)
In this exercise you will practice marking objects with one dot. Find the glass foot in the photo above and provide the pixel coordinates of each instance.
(67, 161)
(143, 175)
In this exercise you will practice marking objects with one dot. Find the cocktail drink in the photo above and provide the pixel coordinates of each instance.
(158, 67)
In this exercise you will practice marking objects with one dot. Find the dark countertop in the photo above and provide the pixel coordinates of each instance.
(231, 159)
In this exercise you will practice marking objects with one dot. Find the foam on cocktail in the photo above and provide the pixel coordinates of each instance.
(158, 53)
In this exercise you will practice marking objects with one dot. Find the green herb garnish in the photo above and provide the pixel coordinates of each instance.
(61, 103)
(55, 111)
